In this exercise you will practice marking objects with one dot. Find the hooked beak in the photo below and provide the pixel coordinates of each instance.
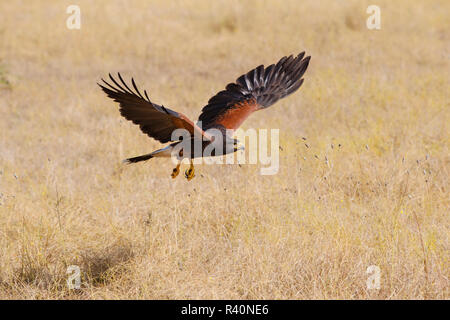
(240, 147)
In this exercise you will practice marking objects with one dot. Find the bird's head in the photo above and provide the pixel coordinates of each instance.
(232, 145)
(237, 146)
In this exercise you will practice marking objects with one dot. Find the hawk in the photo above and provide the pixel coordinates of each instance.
(256, 90)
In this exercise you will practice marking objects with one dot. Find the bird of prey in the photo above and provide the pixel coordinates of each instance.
(256, 90)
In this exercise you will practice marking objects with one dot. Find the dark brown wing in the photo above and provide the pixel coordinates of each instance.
(156, 121)
(258, 89)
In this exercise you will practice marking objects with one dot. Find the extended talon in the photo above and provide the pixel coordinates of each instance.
(175, 171)
(190, 173)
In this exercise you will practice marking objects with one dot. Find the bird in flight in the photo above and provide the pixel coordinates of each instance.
(256, 90)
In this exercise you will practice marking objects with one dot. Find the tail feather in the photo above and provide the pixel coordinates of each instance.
(138, 159)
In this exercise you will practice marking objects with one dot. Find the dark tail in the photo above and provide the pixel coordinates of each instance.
(137, 159)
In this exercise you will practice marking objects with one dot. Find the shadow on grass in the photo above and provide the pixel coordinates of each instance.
(4, 82)
(46, 277)
(99, 267)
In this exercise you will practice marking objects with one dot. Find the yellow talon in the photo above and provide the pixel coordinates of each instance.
(175, 171)
(190, 173)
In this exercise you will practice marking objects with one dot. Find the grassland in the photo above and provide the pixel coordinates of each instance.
(374, 103)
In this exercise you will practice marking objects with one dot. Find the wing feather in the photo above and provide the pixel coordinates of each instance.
(154, 120)
(257, 89)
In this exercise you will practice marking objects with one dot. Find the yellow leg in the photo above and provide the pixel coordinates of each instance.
(190, 173)
(176, 171)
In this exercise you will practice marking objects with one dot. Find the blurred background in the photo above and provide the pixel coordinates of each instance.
(368, 186)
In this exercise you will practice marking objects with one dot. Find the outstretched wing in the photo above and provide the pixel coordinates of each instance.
(154, 120)
(258, 89)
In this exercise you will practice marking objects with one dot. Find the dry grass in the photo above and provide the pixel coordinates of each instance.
(308, 232)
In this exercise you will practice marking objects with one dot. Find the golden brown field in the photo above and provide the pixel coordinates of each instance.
(308, 232)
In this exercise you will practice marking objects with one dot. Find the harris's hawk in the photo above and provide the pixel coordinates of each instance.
(256, 90)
